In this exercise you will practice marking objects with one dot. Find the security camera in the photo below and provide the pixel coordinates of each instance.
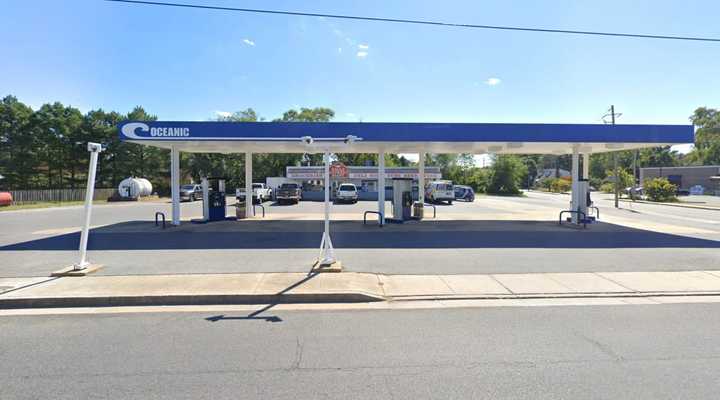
(95, 147)
(307, 139)
(350, 139)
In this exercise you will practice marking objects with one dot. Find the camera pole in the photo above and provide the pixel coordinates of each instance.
(94, 149)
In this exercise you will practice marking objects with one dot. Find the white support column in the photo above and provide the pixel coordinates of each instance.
(421, 178)
(206, 199)
(175, 184)
(94, 149)
(327, 252)
(381, 187)
(586, 166)
(248, 185)
(575, 183)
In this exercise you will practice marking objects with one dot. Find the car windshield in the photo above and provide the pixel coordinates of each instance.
(289, 186)
(187, 187)
(257, 185)
(444, 186)
(347, 188)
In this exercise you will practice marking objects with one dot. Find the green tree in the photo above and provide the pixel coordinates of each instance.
(18, 146)
(58, 128)
(626, 179)
(707, 137)
(506, 175)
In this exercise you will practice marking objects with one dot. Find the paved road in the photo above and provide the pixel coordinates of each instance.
(492, 235)
(589, 352)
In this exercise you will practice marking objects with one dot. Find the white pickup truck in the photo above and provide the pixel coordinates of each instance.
(261, 193)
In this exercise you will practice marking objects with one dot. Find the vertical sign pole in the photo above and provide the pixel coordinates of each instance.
(327, 253)
(94, 149)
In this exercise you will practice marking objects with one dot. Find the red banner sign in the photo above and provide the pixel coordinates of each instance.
(338, 169)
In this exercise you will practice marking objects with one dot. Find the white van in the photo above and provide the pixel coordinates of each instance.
(437, 191)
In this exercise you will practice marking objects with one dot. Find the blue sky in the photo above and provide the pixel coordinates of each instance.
(190, 64)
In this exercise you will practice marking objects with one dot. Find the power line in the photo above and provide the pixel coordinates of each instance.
(420, 22)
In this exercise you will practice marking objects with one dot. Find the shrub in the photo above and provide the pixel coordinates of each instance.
(607, 187)
(660, 189)
(546, 183)
(560, 185)
(505, 175)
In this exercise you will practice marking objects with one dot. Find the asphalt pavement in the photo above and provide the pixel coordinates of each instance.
(491, 235)
(590, 352)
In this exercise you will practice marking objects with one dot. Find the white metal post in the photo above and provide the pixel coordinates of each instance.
(327, 252)
(175, 184)
(248, 185)
(206, 198)
(586, 166)
(94, 149)
(421, 178)
(575, 183)
(381, 188)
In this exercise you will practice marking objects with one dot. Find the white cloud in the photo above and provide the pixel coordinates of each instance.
(339, 49)
(248, 42)
(223, 114)
(363, 46)
(493, 81)
(362, 54)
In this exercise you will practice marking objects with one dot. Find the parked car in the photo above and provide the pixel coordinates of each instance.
(438, 191)
(191, 192)
(289, 193)
(260, 193)
(5, 197)
(634, 191)
(347, 192)
(464, 193)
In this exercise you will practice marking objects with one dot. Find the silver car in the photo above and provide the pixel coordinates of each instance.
(191, 192)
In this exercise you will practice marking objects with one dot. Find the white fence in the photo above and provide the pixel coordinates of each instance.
(57, 195)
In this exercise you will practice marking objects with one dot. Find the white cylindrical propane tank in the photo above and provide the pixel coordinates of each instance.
(134, 188)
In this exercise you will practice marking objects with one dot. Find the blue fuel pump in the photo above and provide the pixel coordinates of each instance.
(216, 199)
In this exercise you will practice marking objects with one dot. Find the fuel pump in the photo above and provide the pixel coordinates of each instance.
(216, 199)
(402, 199)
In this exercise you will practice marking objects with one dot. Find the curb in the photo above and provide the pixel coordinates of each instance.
(314, 298)
(185, 300)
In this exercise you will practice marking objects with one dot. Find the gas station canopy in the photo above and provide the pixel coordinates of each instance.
(395, 137)
(382, 138)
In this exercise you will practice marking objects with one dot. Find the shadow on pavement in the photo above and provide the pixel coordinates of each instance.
(289, 234)
(255, 315)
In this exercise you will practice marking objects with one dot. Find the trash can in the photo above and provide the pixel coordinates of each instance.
(240, 210)
(418, 210)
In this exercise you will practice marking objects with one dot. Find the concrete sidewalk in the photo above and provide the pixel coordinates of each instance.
(277, 288)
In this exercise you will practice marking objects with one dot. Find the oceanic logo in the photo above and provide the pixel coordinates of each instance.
(130, 131)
